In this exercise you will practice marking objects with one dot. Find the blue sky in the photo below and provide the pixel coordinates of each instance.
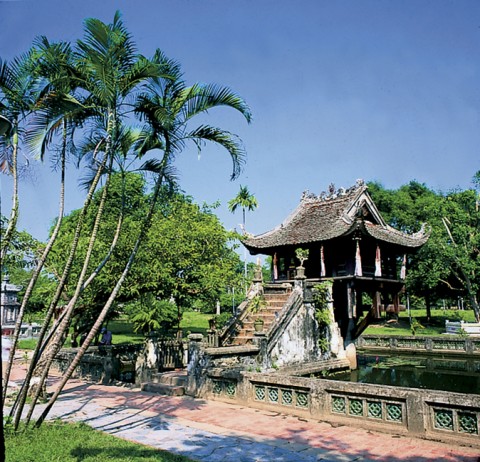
(339, 90)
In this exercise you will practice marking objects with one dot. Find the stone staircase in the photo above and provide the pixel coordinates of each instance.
(275, 301)
(171, 383)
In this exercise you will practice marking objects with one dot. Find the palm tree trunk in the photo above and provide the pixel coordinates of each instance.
(43, 366)
(65, 274)
(36, 273)
(103, 314)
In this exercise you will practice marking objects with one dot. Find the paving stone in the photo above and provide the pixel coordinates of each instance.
(211, 431)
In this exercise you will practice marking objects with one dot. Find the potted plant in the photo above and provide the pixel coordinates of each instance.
(258, 324)
(302, 256)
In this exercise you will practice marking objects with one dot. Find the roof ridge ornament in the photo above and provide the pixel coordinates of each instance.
(332, 193)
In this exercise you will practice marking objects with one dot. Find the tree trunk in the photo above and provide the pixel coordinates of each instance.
(428, 306)
(43, 367)
(61, 284)
(107, 306)
(36, 274)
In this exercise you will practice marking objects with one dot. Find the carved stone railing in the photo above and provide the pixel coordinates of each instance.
(235, 322)
(447, 344)
(102, 364)
(429, 414)
(289, 310)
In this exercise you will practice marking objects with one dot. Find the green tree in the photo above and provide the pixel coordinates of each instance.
(17, 97)
(167, 109)
(447, 265)
(149, 314)
(187, 254)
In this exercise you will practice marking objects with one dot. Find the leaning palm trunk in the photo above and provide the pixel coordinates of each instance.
(66, 271)
(43, 366)
(21, 397)
(103, 314)
(35, 276)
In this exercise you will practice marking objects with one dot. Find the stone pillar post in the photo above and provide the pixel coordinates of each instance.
(300, 278)
(260, 340)
(196, 365)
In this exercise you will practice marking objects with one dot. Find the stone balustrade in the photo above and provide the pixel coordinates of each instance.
(448, 344)
(437, 415)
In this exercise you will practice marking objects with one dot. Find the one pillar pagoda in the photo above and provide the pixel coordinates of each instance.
(349, 243)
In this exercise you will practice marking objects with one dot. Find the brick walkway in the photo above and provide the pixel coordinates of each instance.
(215, 431)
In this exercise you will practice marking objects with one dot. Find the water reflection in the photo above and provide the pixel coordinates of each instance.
(435, 373)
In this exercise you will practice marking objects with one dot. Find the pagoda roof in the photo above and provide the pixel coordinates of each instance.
(329, 216)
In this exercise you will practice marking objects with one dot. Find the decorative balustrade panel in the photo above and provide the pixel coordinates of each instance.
(446, 344)
(224, 388)
(454, 420)
(282, 396)
(468, 345)
(411, 343)
(383, 342)
(380, 409)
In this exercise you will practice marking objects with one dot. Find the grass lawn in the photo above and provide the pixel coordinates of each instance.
(122, 330)
(195, 322)
(436, 325)
(73, 442)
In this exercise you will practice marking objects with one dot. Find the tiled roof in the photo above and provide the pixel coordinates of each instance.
(326, 217)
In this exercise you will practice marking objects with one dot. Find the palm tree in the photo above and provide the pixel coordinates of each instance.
(102, 74)
(56, 115)
(246, 201)
(166, 108)
(17, 94)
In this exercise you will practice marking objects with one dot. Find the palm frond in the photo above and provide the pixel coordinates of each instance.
(201, 98)
(5, 125)
(227, 140)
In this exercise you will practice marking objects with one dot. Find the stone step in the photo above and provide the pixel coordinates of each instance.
(275, 302)
(242, 340)
(265, 317)
(276, 299)
(274, 305)
(173, 378)
(163, 389)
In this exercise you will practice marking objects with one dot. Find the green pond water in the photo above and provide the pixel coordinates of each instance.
(434, 373)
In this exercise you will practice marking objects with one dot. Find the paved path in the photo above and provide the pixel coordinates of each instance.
(215, 431)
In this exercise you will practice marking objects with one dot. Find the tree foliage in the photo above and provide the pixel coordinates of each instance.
(448, 265)
(116, 110)
(187, 254)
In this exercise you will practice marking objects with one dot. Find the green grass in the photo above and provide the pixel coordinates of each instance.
(67, 442)
(122, 330)
(195, 322)
(436, 325)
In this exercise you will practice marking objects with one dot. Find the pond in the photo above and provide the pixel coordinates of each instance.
(429, 372)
